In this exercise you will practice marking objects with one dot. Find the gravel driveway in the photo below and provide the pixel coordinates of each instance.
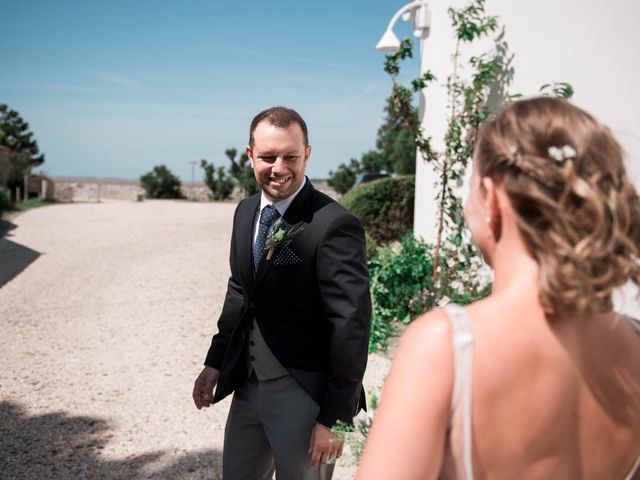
(106, 313)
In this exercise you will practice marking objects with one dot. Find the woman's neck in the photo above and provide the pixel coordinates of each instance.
(514, 267)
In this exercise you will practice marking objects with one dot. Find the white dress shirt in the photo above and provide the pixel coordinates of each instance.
(280, 206)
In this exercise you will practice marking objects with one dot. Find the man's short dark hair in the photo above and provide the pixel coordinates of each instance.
(280, 117)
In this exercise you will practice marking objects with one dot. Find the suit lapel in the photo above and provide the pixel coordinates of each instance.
(299, 209)
(245, 242)
(294, 214)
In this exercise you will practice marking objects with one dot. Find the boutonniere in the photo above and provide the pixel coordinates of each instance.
(281, 237)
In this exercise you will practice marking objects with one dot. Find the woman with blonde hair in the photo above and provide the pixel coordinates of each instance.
(540, 380)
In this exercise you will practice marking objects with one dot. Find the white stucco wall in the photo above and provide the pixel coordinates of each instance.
(589, 43)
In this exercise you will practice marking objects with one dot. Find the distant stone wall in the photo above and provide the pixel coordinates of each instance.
(93, 190)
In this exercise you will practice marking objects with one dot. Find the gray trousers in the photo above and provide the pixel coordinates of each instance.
(269, 428)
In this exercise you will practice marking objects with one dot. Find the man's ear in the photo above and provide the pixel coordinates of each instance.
(491, 204)
(307, 152)
(249, 153)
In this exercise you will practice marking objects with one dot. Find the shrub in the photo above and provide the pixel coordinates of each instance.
(463, 276)
(384, 207)
(371, 246)
(395, 278)
(161, 183)
(242, 171)
(401, 283)
(220, 185)
(5, 202)
(344, 177)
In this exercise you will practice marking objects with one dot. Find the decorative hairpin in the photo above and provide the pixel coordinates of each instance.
(513, 149)
(560, 154)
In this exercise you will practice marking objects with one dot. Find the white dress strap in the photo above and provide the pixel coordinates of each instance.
(634, 473)
(462, 340)
(635, 323)
(634, 470)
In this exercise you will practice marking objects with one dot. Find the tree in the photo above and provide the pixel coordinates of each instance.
(372, 161)
(243, 173)
(24, 152)
(395, 150)
(161, 183)
(395, 143)
(344, 177)
(219, 183)
(5, 201)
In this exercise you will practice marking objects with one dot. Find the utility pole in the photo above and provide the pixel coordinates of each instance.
(193, 191)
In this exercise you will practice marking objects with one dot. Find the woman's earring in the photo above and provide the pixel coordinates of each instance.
(490, 231)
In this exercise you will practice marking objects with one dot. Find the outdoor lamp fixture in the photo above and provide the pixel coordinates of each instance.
(418, 11)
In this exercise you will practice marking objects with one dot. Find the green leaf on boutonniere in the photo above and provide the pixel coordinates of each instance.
(281, 237)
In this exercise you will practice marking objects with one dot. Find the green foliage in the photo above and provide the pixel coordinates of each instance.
(344, 177)
(19, 166)
(5, 202)
(402, 98)
(472, 22)
(221, 182)
(242, 172)
(371, 246)
(402, 288)
(384, 207)
(16, 136)
(395, 149)
(468, 109)
(402, 153)
(396, 143)
(557, 89)
(161, 183)
(216, 179)
(392, 61)
(395, 279)
(463, 279)
(373, 161)
(356, 435)
(29, 204)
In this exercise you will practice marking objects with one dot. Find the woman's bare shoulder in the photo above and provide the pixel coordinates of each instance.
(431, 330)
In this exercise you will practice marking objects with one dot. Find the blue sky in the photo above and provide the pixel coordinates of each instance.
(111, 89)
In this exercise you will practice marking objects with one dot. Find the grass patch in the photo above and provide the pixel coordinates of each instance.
(20, 207)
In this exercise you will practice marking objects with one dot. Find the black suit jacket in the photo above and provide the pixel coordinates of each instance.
(311, 302)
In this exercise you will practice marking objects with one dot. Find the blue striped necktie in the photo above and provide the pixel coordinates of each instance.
(268, 215)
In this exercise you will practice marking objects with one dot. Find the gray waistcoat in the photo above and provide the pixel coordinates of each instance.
(260, 358)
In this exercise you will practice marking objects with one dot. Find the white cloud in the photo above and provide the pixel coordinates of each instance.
(116, 79)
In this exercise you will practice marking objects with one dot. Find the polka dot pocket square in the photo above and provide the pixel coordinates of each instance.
(286, 256)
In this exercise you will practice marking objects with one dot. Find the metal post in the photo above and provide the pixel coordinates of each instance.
(193, 166)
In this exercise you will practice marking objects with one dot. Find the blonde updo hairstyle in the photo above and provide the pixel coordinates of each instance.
(576, 210)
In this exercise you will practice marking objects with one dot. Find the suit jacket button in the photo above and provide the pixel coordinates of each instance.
(252, 343)
(252, 305)
(252, 358)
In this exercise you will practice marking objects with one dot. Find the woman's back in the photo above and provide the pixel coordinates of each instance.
(552, 394)
(552, 400)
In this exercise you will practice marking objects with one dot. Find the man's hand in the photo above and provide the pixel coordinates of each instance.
(325, 446)
(203, 387)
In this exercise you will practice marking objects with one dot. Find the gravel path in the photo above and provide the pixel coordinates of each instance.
(106, 312)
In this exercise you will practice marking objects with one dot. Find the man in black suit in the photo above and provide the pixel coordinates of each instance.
(293, 333)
